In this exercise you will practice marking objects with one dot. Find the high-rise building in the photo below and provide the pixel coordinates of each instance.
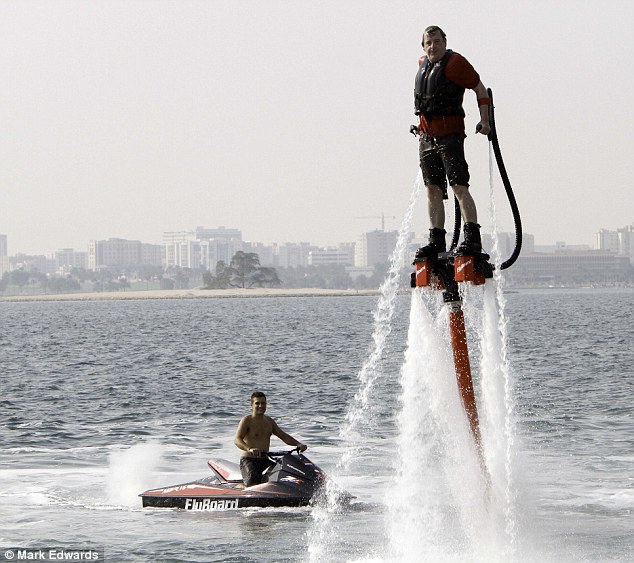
(32, 263)
(607, 240)
(202, 248)
(626, 242)
(291, 255)
(117, 252)
(619, 242)
(375, 247)
(266, 252)
(342, 255)
(67, 259)
(203, 233)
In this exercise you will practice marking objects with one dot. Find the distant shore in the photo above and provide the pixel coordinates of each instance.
(189, 294)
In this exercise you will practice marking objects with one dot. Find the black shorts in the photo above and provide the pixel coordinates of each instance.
(442, 158)
(252, 469)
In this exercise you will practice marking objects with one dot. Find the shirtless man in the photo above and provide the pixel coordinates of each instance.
(253, 437)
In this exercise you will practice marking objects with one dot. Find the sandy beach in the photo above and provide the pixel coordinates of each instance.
(189, 294)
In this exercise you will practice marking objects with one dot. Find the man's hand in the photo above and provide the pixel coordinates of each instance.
(255, 452)
(302, 447)
(483, 128)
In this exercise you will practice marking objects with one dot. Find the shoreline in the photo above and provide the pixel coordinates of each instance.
(239, 293)
(190, 294)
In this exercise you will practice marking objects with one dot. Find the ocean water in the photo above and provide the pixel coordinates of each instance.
(103, 400)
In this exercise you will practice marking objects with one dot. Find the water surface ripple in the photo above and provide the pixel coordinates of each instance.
(101, 400)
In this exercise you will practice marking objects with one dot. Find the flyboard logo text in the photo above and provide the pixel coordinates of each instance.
(210, 504)
(463, 266)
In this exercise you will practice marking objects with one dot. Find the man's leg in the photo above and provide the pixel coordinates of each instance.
(250, 473)
(452, 154)
(467, 204)
(436, 209)
(435, 206)
(435, 179)
(252, 469)
(472, 243)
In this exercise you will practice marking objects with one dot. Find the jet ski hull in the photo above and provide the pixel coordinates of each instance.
(196, 496)
(212, 504)
(292, 481)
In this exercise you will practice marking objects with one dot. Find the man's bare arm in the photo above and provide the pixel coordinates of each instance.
(287, 438)
(241, 432)
(482, 94)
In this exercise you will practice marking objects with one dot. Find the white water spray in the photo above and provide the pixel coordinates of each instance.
(437, 506)
(441, 505)
(128, 471)
(323, 533)
(360, 408)
(497, 382)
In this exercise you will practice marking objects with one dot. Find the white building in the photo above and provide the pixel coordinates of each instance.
(375, 247)
(619, 242)
(266, 252)
(67, 258)
(202, 248)
(203, 233)
(291, 255)
(32, 262)
(342, 255)
(607, 240)
(626, 242)
(118, 252)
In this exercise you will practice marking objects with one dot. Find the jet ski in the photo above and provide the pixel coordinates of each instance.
(292, 480)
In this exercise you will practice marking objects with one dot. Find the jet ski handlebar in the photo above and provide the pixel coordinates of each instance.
(281, 453)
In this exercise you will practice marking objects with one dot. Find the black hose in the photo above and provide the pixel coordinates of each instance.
(493, 137)
(456, 224)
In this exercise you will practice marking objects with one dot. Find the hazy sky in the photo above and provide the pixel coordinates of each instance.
(289, 119)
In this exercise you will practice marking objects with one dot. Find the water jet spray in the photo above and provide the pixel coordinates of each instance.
(445, 271)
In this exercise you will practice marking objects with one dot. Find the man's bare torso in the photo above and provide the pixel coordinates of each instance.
(257, 432)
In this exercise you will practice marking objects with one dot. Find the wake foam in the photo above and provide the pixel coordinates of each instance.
(128, 472)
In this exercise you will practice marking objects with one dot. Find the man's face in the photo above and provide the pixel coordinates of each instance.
(258, 405)
(434, 45)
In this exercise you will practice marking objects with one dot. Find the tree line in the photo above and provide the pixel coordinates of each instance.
(243, 271)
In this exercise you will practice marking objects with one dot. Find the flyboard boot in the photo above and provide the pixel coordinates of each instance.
(435, 246)
(470, 263)
(472, 243)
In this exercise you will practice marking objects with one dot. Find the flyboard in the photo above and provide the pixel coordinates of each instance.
(447, 270)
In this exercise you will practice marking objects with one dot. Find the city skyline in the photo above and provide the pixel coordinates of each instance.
(292, 120)
(11, 252)
(610, 263)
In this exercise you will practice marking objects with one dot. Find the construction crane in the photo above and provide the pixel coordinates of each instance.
(382, 217)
